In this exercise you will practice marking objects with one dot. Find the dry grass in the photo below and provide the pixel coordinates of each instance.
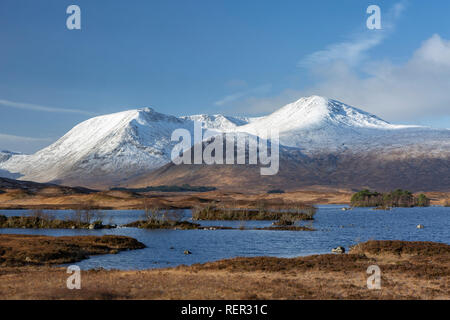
(425, 275)
(44, 199)
(401, 248)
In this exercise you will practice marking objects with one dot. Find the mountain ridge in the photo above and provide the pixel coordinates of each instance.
(123, 147)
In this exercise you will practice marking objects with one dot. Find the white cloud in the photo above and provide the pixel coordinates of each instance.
(9, 137)
(412, 91)
(417, 88)
(34, 107)
(263, 105)
(242, 94)
(353, 51)
(22, 144)
(237, 83)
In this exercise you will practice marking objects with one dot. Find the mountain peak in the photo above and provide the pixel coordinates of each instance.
(148, 114)
(146, 109)
(317, 111)
(312, 99)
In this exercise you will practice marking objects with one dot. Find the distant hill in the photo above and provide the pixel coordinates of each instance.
(30, 186)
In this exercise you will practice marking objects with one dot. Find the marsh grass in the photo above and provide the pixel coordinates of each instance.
(287, 213)
(155, 218)
(39, 219)
(85, 214)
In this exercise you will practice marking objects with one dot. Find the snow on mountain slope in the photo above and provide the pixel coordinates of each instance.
(114, 148)
(317, 124)
(218, 121)
(6, 155)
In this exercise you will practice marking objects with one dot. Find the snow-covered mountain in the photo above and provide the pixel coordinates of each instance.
(316, 124)
(106, 148)
(112, 149)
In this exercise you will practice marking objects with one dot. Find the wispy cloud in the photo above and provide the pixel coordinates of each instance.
(410, 91)
(353, 51)
(414, 91)
(12, 138)
(23, 144)
(344, 71)
(350, 53)
(35, 107)
(242, 94)
(237, 83)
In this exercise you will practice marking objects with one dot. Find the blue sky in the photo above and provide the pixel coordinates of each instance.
(209, 56)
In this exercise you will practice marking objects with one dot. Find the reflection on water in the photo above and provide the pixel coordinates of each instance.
(334, 227)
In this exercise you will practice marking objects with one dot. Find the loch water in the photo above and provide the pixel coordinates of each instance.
(334, 227)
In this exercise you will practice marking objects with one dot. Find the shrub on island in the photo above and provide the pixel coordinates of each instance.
(396, 198)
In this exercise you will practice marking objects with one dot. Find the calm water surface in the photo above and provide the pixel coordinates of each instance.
(334, 227)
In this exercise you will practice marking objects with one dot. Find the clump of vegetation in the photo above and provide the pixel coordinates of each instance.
(275, 191)
(85, 214)
(287, 220)
(262, 212)
(422, 201)
(290, 223)
(83, 217)
(397, 198)
(38, 219)
(155, 218)
(183, 188)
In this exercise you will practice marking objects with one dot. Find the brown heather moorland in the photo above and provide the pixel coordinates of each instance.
(409, 270)
(44, 199)
(25, 250)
